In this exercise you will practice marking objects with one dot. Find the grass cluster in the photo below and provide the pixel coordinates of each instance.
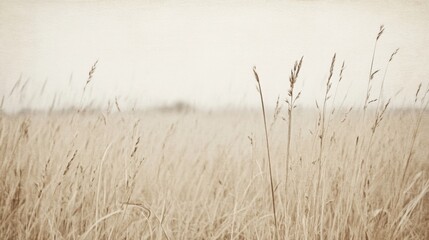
(202, 176)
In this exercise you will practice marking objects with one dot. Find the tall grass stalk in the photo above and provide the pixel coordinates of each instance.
(88, 80)
(380, 95)
(379, 115)
(371, 72)
(291, 105)
(322, 117)
(322, 134)
(259, 88)
(380, 110)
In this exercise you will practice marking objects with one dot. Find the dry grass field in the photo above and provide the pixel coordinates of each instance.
(289, 173)
(204, 175)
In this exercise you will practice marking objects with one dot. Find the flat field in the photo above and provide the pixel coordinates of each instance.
(205, 175)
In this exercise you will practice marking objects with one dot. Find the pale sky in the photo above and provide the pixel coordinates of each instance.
(202, 52)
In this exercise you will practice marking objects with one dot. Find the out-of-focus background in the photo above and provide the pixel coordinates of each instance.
(154, 53)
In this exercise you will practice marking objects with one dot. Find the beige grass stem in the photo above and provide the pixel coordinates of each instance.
(291, 105)
(259, 88)
(371, 72)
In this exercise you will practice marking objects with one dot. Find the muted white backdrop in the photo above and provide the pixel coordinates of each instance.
(158, 52)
